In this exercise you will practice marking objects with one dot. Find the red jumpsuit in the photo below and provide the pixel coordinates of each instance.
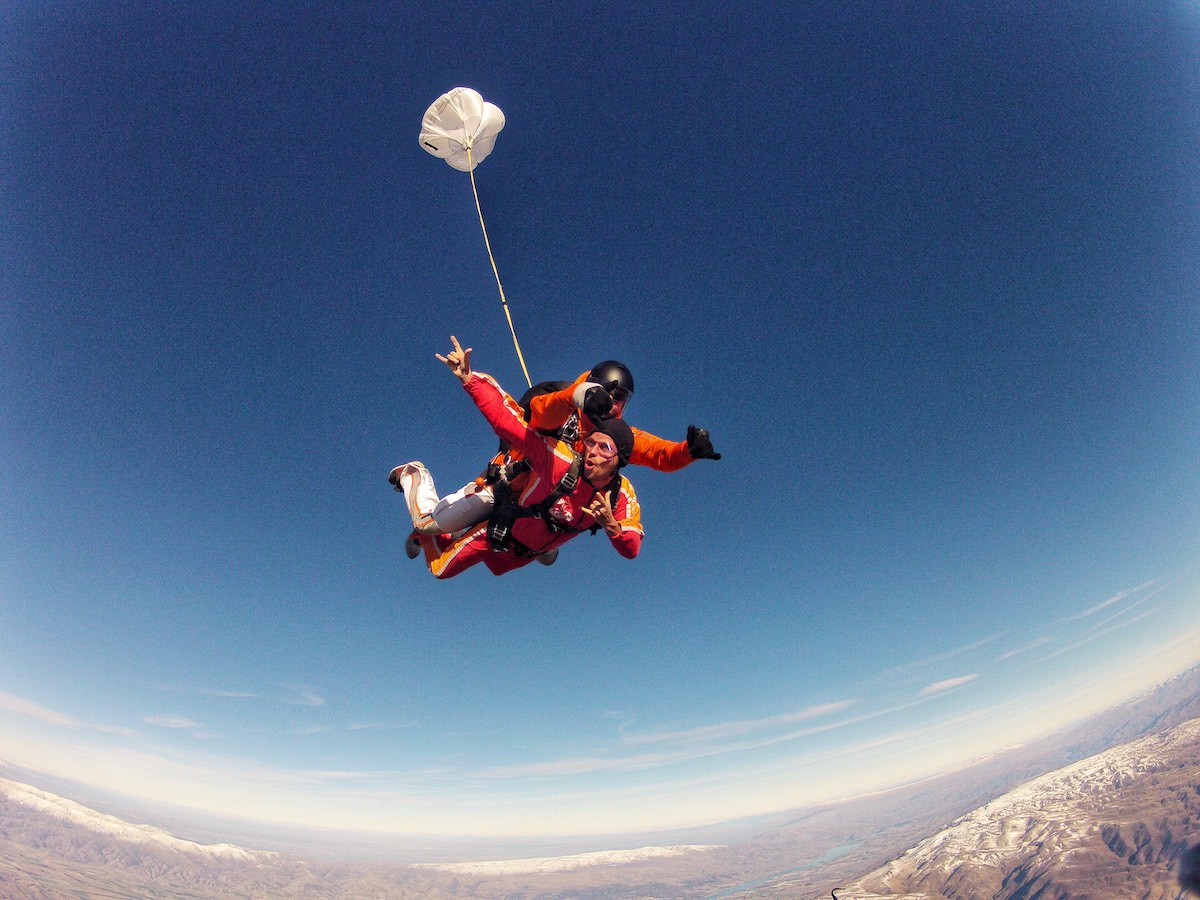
(550, 459)
(548, 412)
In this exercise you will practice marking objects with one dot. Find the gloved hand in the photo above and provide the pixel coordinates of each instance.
(699, 444)
(597, 403)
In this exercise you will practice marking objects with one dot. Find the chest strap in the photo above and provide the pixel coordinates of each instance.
(507, 510)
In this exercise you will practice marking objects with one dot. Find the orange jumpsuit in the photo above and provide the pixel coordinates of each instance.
(548, 412)
(446, 556)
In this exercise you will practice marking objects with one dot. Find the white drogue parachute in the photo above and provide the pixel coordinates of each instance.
(461, 127)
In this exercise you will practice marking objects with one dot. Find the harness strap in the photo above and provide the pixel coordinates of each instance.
(507, 510)
(505, 473)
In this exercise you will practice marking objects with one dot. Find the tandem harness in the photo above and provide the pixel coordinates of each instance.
(507, 511)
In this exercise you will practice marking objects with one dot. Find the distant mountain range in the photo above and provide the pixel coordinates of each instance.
(1113, 825)
(1104, 810)
(72, 814)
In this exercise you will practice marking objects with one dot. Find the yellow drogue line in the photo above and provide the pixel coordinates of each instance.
(503, 301)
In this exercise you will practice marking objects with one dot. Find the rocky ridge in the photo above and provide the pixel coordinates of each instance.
(1113, 825)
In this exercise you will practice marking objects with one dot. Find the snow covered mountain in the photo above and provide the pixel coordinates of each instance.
(1112, 825)
(564, 863)
(54, 847)
(74, 813)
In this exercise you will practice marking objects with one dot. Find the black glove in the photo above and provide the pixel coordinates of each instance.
(699, 444)
(597, 403)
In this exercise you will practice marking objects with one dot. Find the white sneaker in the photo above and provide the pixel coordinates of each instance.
(548, 558)
(416, 469)
(412, 547)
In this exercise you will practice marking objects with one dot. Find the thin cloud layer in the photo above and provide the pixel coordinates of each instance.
(181, 722)
(33, 710)
(948, 684)
(738, 728)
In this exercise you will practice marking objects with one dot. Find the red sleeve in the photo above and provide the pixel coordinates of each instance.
(548, 412)
(504, 415)
(629, 513)
(658, 453)
(627, 543)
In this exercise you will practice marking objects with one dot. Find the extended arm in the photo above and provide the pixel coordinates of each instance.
(670, 456)
(504, 415)
(500, 410)
(658, 453)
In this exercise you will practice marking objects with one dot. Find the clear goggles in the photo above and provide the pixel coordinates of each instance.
(602, 444)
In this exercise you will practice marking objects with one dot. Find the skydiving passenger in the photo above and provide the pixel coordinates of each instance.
(566, 410)
(565, 494)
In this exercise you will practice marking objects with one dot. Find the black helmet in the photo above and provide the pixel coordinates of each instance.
(607, 372)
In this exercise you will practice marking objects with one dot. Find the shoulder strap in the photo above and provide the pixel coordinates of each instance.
(567, 483)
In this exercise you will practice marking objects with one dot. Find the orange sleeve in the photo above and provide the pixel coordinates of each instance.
(548, 412)
(659, 453)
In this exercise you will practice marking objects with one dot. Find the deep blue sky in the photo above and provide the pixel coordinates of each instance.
(928, 272)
